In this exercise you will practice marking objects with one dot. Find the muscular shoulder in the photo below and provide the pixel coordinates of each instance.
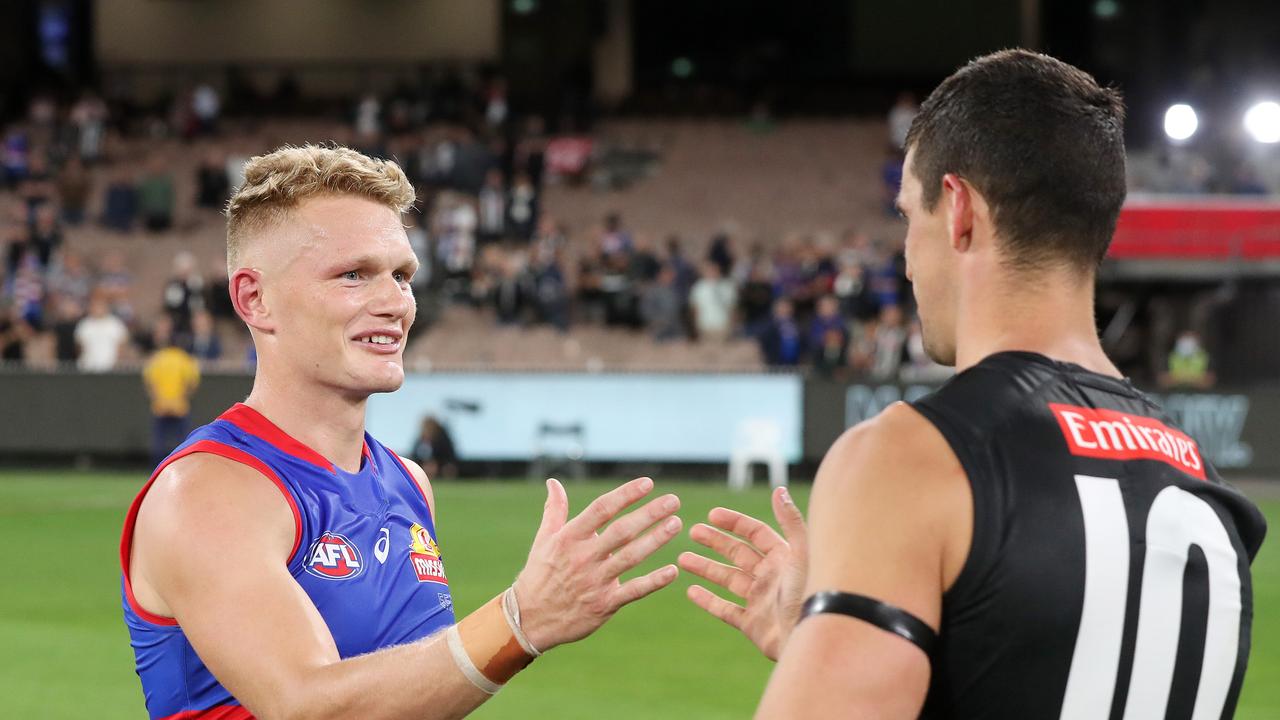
(424, 483)
(893, 484)
(898, 443)
(205, 493)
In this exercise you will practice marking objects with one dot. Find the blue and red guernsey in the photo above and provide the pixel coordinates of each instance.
(365, 552)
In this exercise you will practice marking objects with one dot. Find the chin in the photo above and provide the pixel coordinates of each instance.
(388, 381)
(385, 379)
(939, 353)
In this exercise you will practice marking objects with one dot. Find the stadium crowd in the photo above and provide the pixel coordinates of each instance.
(833, 301)
(838, 305)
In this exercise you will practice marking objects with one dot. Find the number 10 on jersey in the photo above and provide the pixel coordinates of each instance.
(1176, 520)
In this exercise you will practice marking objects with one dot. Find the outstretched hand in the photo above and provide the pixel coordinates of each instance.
(767, 570)
(569, 587)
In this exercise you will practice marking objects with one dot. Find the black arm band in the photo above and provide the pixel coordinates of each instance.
(886, 617)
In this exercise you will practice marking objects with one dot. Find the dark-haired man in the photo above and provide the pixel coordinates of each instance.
(1035, 539)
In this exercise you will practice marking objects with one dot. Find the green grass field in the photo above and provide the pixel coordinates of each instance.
(64, 652)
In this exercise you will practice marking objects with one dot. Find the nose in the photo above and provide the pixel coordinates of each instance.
(391, 298)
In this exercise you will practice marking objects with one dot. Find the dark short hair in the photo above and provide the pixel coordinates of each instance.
(1042, 142)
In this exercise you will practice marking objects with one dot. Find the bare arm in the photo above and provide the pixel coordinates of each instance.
(888, 520)
(210, 546)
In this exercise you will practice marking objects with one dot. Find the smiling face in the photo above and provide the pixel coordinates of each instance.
(336, 305)
(931, 267)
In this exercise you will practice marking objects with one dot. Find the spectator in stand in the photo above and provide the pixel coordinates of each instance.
(15, 238)
(522, 211)
(686, 274)
(206, 107)
(70, 278)
(713, 300)
(100, 336)
(155, 196)
(492, 209)
(455, 224)
(885, 278)
(1188, 364)
(660, 307)
(621, 297)
(15, 333)
(120, 208)
(27, 289)
(67, 317)
(37, 188)
(756, 300)
(862, 347)
(826, 320)
(852, 291)
(46, 234)
(15, 157)
(171, 377)
(615, 239)
(206, 346)
(643, 266)
(890, 339)
(721, 253)
(115, 284)
(782, 343)
(904, 110)
(213, 187)
(495, 106)
(830, 356)
(509, 293)
(73, 191)
(183, 294)
(434, 450)
(550, 241)
(530, 152)
(420, 241)
(89, 116)
(551, 291)
(368, 116)
(591, 296)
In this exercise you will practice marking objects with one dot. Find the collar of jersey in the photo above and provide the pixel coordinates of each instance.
(255, 423)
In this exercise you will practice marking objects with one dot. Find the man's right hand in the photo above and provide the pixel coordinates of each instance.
(768, 571)
(569, 587)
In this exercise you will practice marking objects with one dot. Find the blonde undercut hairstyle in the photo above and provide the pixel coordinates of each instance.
(275, 184)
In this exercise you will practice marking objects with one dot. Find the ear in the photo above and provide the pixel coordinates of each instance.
(958, 198)
(247, 296)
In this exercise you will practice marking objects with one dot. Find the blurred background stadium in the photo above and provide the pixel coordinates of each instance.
(656, 236)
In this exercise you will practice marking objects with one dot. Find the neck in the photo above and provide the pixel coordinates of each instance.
(1050, 313)
(325, 421)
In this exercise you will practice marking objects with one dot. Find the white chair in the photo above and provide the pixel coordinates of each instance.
(757, 440)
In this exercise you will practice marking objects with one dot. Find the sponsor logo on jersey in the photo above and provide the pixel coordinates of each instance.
(1114, 435)
(383, 547)
(424, 556)
(334, 557)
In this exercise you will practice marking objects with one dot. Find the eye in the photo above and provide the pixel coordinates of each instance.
(400, 276)
(351, 275)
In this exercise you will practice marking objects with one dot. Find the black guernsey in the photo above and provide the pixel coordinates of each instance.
(1108, 575)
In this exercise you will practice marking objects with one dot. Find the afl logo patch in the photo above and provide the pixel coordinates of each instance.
(334, 557)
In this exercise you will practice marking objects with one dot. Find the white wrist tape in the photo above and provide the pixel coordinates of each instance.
(511, 611)
(463, 660)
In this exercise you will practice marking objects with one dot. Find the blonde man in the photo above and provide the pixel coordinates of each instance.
(282, 562)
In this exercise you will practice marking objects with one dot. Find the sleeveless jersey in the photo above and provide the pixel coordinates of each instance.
(365, 553)
(1108, 575)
